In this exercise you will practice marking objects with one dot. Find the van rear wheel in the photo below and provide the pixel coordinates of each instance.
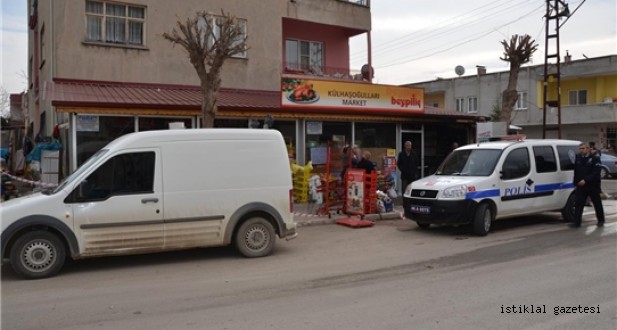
(255, 238)
(37, 254)
(482, 219)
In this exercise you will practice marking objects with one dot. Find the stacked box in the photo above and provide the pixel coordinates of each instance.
(301, 175)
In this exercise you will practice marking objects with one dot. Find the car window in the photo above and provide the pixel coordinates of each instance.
(567, 156)
(545, 159)
(516, 164)
(131, 173)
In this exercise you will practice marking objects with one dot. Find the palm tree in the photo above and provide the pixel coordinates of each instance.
(518, 52)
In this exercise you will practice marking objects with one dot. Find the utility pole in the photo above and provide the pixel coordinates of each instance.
(552, 79)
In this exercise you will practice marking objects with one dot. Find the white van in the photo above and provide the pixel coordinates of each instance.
(157, 191)
(479, 183)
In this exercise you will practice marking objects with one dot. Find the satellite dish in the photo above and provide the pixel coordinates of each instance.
(459, 70)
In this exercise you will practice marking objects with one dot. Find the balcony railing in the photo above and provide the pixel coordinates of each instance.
(321, 71)
(366, 3)
(590, 113)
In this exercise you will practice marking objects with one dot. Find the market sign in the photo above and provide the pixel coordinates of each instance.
(307, 93)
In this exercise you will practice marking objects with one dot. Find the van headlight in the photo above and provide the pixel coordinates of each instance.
(456, 192)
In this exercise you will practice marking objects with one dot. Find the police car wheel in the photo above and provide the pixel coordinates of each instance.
(603, 173)
(567, 213)
(423, 225)
(482, 219)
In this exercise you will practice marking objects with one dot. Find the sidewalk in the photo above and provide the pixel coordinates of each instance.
(306, 214)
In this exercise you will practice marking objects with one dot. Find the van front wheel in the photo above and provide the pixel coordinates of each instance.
(37, 254)
(255, 238)
(568, 211)
(482, 219)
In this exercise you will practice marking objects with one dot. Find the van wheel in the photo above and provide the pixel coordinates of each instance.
(255, 238)
(423, 225)
(567, 213)
(482, 219)
(37, 254)
(603, 173)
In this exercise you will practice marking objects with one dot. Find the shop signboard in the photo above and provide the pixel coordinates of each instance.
(309, 93)
(87, 123)
(355, 191)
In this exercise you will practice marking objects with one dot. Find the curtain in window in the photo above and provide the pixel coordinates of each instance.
(115, 29)
(136, 30)
(94, 29)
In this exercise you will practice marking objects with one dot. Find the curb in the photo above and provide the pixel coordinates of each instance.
(313, 220)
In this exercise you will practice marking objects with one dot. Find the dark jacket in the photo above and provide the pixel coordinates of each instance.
(367, 165)
(407, 164)
(587, 168)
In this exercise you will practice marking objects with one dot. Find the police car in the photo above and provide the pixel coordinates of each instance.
(479, 183)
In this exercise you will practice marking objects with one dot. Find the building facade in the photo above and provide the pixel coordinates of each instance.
(100, 69)
(588, 98)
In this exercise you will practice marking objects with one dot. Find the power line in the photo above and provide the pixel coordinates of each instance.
(445, 29)
(460, 43)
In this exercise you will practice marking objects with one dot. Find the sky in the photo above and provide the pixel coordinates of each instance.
(412, 41)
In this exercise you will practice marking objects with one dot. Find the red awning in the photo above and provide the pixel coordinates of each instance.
(100, 94)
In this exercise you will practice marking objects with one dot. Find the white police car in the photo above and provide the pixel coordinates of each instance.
(479, 183)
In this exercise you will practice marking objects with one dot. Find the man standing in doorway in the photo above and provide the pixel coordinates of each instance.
(407, 163)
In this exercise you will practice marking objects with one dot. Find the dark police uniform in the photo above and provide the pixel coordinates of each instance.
(587, 168)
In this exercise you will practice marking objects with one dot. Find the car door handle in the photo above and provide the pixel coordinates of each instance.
(149, 200)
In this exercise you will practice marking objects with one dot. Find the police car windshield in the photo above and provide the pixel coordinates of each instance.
(470, 162)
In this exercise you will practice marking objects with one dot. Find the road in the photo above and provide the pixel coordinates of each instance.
(390, 276)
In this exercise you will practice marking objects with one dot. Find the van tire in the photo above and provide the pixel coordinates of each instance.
(567, 213)
(37, 254)
(423, 225)
(482, 219)
(255, 238)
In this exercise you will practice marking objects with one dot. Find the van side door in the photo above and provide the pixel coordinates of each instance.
(117, 208)
(516, 186)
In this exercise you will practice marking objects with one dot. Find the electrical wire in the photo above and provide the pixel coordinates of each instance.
(474, 38)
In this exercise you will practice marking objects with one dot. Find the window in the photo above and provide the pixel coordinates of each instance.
(460, 104)
(521, 101)
(42, 47)
(215, 22)
(516, 164)
(115, 23)
(304, 55)
(545, 159)
(472, 104)
(567, 156)
(577, 97)
(124, 174)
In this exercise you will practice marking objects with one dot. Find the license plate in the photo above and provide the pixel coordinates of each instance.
(420, 209)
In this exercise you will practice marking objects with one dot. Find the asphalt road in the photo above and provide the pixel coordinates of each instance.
(390, 276)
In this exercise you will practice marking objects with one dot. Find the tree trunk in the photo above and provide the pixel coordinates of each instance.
(510, 95)
(208, 108)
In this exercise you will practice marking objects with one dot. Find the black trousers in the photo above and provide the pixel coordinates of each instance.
(405, 182)
(581, 194)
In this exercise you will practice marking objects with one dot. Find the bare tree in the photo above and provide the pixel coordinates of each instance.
(518, 52)
(209, 40)
(5, 103)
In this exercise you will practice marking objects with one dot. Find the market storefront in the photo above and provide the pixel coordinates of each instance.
(376, 116)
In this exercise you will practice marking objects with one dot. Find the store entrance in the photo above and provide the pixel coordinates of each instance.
(417, 146)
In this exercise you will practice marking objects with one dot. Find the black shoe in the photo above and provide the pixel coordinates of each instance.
(600, 224)
(574, 225)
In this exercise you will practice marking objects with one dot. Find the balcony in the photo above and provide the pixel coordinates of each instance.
(591, 113)
(365, 3)
(321, 71)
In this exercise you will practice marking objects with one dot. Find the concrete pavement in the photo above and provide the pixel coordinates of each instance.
(306, 214)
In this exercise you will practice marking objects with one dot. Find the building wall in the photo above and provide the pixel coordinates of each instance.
(66, 54)
(585, 122)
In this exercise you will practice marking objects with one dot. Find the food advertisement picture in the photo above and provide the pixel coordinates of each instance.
(314, 93)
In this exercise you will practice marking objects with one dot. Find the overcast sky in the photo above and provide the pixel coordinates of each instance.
(412, 41)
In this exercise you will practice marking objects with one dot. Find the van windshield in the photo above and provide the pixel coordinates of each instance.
(79, 171)
(470, 162)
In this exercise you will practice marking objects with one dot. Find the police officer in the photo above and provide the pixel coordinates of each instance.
(587, 184)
